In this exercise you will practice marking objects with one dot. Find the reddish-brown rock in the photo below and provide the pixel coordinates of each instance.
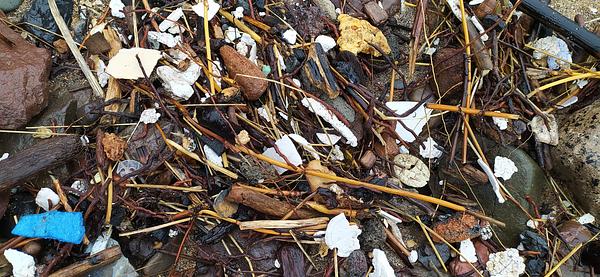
(24, 72)
(252, 88)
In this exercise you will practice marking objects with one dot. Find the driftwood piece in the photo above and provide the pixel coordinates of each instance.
(42, 156)
(266, 204)
(97, 260)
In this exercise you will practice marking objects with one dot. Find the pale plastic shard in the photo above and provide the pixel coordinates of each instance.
(413, 257)
(336, 153)
(414, 121)
(238, 13)
(455, 8)
(410, 171)
(212, 156)
(484, 37)
(173, 233)
(164, 38)
(320, 110)
(467, 251)
(501, 122)
(329, 139)
(288, 149)
(149, 116)
(555, 47)
(581, 83)
(302, 141)
(290, 36)
(586, 218)
(98, 28)
(179, 83)
(116, 8)
(341, 235)
(475, 2)
(572, 100)
(231, 34)
(79, 186)
(127, 166)
(507, 263)
(493, 181)
(101, 73)
(264, 113)
(45, 195)
(4, 156)
(23, 264)
(327, 42)
(381, 265)
(504, 167)
(248, 40)
(171, 20)
(124, 65)
(429, 50)
(213, 8)
(542, 133)
(532, 224)
(430, 151)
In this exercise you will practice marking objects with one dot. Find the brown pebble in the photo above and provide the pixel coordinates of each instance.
(32, 248)
(375, 13)
(390, 149)
(368, 159)
(61, 46)
(252, 88)
(457, 228)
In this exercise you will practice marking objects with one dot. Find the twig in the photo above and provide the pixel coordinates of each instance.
(442, 107)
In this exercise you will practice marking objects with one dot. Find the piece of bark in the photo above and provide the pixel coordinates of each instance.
(42, 156)
(266, 204)
(97, 260)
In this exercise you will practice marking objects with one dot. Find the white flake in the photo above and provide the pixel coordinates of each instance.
(173, 233)
(572, 100)
(414, 121)
(45, 195)
(116, 8)
(171, 20)
(413, 257)
(288, 149)
(329, 139)
(326, 42)
(556, 47)
(467, 251)
(213, 9)
(212, 156)
(302, 141)
(484, 37)
(430, 151)
(542, 133)
(475, 2)
(290, 36)
(320, 110)
(493, 181)
(124, 65)
(164, 38)
(507, 263)
(4, 156)
(586, 218)
(504, 167)
(501, 122)
(341, 235)
(23, 264)
(101, 73)
(149, 116)
(238, 13)
(381, 265)
(179, 82)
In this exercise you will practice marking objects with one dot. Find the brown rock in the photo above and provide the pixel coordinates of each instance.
(458, 227)
(61, 46)
(485, 8)
(377, 14)
(97, 44)
(24, 72)
(449, 67)
(390, 149)
(368, 159)
(32, 248)
(237, 64)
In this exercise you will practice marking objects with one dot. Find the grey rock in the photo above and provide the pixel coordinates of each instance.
(9, 5)
(355, 265)
(391, 6)
(530, 181)
(40, 15)
(373, 235)
(327, 8)
(344, 108)
(577, 156)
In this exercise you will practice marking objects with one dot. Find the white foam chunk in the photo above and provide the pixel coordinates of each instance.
(414, 121)
(586, 218)
(430, 151)
(45, 195)
(504, 167)
(124, 65)
(179, 82)
(320, 110)
(290, 36)
(341, 235)
(288, 149)
(116, 8)
(467, 251)
(381, 265)
(326, 42)
(171, 20)
(164, 38)
(149, 116)
(493, 181)
(329, 139)
(23, 264)
(212, 156)
(213, 9)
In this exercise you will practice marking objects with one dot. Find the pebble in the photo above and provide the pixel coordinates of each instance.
(327, 8)
(39, 15)
(375, 12)
(237, 64)
(9, 5)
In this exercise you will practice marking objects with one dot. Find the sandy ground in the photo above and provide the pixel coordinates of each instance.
(589, 9)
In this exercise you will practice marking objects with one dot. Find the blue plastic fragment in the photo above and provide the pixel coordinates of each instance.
(61, 226)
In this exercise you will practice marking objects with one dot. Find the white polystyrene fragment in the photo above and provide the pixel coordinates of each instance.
(164, 38)
(341, 235)
(467, 251)
(288, 149)
(484, 37)
(116, 8)
(23, 264)
(173, 233)
(504, 167)
(212, 156)
(586, 219)
(329, 139)
(179, 82)
(126, 167)
(302, 141)
(79, 186)
(290, 36)
(45, 195)
(276, 263)
(248, 40)
(381, 265)
(429, 50)
(231, 34)
(475, 2)
(327, 42)
(582, 82)
(171, 20)
(101, 73)
(320, 110)
(545, 133)
(124, 65)
(507, 263)
(238, 13)
(4, 156)
(414, 121)
(336, 153)
(264, 113)
(149, 116)
(213, 9)
(555, 47)
(297, 82)
(430, 151)
(98, 28)
(455, 8)
(413, 257)
(388, 216)
(533, 224)
(572, 100)
(493, 181)
(501, 122)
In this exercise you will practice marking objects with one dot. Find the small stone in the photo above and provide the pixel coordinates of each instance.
(368, 159)
(61, 46)
(39, 15)
(375, 12)
(24, 72)
(252, 88)
(327, 7)
(458, 227)
(390, 149)
(355, 265)
(97, 44)
(9, 5)
(32, 248)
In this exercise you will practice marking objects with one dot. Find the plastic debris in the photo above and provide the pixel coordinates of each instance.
(124, 65)
(504, 167)
(327, 42)
(61, 226)
(430, 151)
(302, 141)
(179, 83)
(381, 265)
(410, 171)
(586, 219)
(341, 235)
(467, 251)
(171, 20)
(165, 38)
(213, 9)
(507, 263)
(290, 36)
(79, 186)
(4, 156)
(572, 100)
(238, 13)
(44, 196)
(556, 47)
(356, 35)
(545, 134)
(415, 121)
(23, 265)
(212, 156)
(288, 149)
(127, 167)
(493, 181)
(116, 8)
(320, 110)
(119, 268)
(329, 139)
(501, 122)
(101, 72)
(149, 116)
